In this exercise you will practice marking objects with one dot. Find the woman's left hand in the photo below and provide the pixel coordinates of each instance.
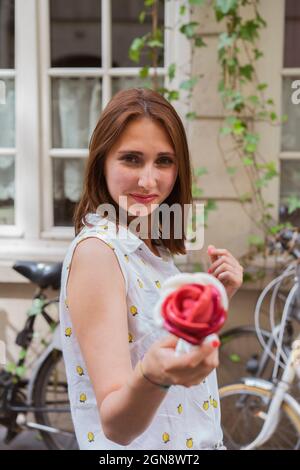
(226, 269)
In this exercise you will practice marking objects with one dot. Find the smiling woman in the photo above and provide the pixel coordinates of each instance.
(138, 149)
(138, 161)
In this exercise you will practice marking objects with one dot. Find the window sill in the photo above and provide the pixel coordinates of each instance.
(38, 250)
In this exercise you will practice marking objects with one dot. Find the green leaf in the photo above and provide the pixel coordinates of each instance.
(262, 86)
(136, 48)
(20, 371)
(188, 84)
(149, 3)
(250, 148)
(171, 71)
(142, 16)
(189, 29)
(235, 358)
(196, 2)
(249, 30)
(144, 72)
(284, 118)
(247, 71)
(182, 10)
(199, 42)
(255, 240)
(226, 40)
(248, 161)
(11, 367)
(225, 130)
(155, 43)
(293, 204)
(173, 95)
(191, 115)
(22, 354)
(273, 116)
(225, 6)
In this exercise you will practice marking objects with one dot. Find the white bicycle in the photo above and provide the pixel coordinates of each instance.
(264, 414)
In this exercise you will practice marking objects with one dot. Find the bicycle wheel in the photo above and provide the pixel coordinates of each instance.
(51, 391)
(243, 409)
(240, 355)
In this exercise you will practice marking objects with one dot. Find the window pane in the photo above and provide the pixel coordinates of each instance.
(289, 187)
(123, 83)
(7, 113)
(290, 129)
(67, 186)
(76, 107)
(292, 33)
(7, 34)
(126, 27)
(7, 189)
(75, 30)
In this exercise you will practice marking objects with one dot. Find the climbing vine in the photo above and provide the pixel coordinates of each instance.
(244, 98)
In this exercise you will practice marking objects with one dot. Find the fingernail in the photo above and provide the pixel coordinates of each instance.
(209, 270)
(215, 344)
(211, 339)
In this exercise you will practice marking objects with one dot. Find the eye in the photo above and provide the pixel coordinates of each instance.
(130, 158)
(166, 160)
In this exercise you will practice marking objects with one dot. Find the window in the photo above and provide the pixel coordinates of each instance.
(86, 65)
(60, 63)
(7, 113)
(290, 141)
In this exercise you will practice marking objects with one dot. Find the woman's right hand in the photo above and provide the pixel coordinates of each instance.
(162, 366)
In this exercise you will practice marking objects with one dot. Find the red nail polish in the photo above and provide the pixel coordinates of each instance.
(215, 344)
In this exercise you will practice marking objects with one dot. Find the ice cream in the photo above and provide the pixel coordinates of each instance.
(191, 306)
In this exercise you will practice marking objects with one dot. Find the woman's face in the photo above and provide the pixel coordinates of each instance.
(142, 162)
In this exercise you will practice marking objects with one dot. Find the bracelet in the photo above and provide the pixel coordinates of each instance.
(165, 387)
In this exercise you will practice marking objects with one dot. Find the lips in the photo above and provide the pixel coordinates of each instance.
(143, 199)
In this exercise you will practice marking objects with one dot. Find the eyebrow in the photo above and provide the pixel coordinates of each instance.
(136, 152)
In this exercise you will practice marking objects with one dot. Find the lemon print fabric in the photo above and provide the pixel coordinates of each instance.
(140, 284)
(126, 258)
(133, 310)
(68, 332)
(79, 371)
(189, 443)
(130, 337)
(205, 405)
(166, 437)
(82, 398)
(91, 437)
(158, 285)
(179, 409)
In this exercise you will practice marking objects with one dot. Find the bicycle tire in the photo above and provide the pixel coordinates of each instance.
(41, 388)
(242, 417)
(238, 347)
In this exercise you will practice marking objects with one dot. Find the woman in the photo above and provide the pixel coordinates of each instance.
(127, 388)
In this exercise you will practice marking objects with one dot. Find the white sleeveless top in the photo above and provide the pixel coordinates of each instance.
(188, 418)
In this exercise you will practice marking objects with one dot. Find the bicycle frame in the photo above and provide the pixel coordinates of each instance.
(280, 393)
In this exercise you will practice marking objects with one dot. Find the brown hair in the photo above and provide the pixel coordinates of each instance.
(125, 106)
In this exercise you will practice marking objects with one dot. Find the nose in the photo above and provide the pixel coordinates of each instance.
(147, 178)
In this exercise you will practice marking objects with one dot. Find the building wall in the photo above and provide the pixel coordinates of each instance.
(228, 226)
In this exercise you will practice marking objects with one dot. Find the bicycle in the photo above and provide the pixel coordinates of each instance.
(241, 352)
(45, 392)
(259, 413)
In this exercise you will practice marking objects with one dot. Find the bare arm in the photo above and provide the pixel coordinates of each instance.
(97, 305)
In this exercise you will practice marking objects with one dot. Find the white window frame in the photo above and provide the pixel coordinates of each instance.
(291, 72)
(34, 234)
